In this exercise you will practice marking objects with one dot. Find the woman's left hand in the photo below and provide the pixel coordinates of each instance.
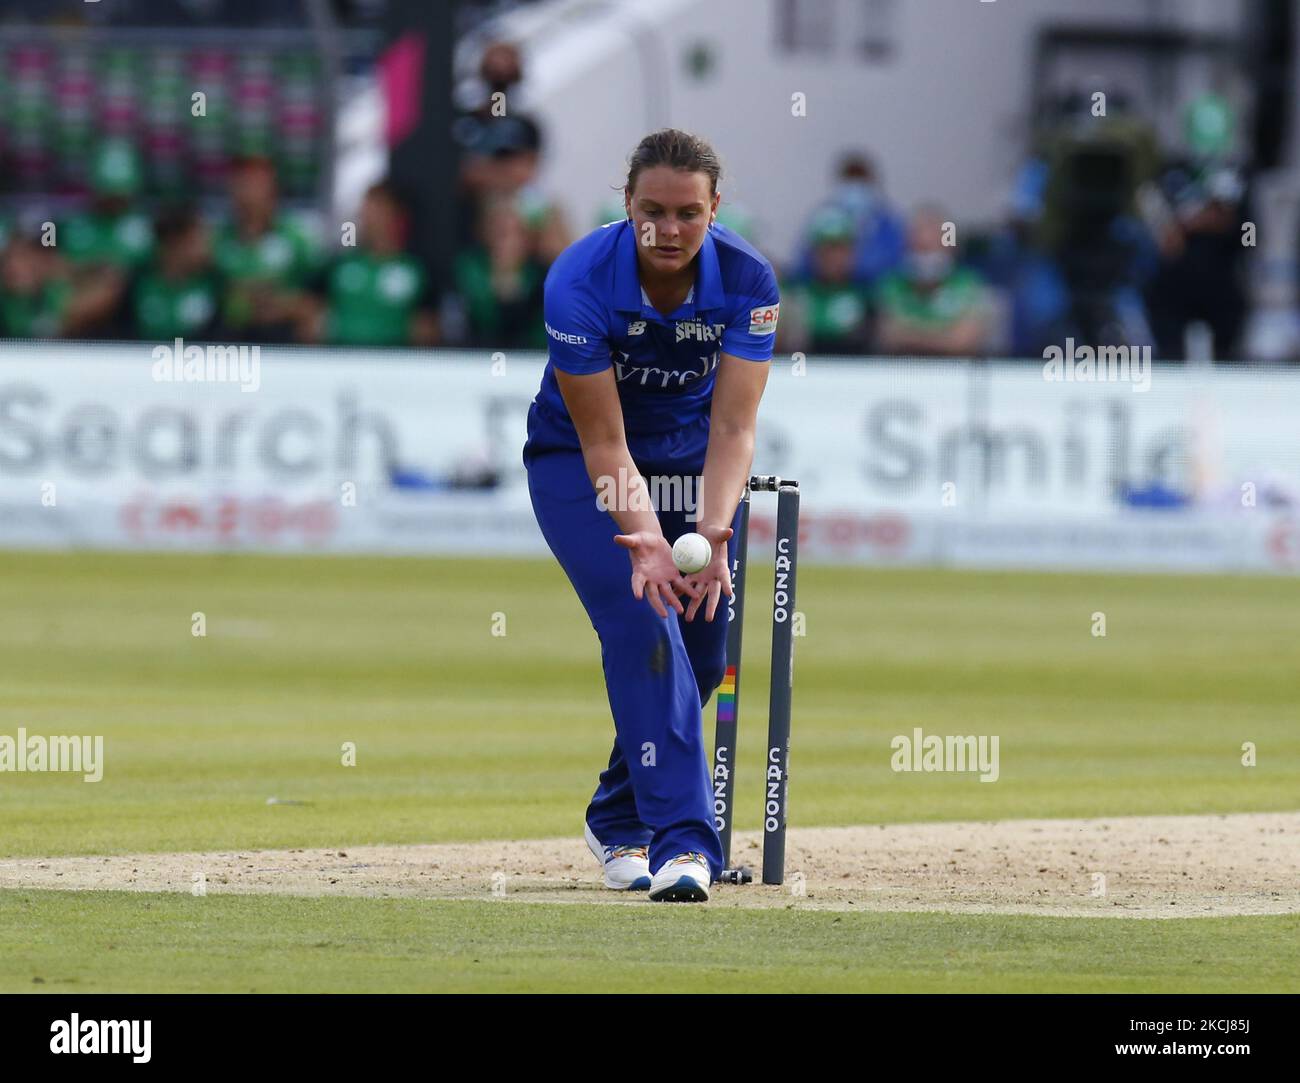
(714, 579)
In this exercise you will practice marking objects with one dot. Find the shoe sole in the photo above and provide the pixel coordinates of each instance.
(687, 889)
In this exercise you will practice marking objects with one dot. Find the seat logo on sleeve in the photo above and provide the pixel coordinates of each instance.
(762, 321)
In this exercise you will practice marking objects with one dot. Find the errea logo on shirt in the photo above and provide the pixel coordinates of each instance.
(762, 321)
(564, 336)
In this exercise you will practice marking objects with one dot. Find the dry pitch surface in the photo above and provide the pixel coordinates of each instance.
(1153, 866)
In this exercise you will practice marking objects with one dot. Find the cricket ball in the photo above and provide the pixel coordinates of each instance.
(692, 553)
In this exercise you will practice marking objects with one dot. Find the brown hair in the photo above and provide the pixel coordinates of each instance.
(677, 150)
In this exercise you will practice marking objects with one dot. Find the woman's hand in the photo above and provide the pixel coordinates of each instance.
(713, 581)
(654, 575)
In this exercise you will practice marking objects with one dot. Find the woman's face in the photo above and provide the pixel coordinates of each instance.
(670, 210)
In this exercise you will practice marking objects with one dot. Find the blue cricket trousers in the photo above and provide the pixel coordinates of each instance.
(659, 673)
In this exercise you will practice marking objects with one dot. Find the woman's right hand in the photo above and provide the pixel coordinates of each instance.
(654, 575)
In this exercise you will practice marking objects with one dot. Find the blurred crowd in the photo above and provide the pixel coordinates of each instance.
(1105, 239)
(253, 271)
(257, 274)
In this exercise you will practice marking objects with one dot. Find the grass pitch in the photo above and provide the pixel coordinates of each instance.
(127, 942)
(461, 734)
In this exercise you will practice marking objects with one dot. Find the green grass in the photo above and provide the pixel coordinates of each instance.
(461, 734)
(175, 943)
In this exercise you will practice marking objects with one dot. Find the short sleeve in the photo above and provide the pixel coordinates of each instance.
(575, 328)
(751, 331)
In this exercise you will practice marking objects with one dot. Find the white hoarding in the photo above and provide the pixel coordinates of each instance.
(920, 461)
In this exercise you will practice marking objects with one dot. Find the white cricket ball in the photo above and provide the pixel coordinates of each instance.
(692, 553)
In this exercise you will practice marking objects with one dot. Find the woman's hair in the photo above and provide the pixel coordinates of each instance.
(677, 150)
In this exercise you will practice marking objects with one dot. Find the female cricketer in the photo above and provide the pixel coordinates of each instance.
(660, 331)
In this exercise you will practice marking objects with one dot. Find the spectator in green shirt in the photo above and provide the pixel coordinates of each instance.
(264, 258)
(180, 294)
(932, 307)
(378, 295)
(108, 242)
(34, 292)
(500, 281)
(830, 313)
(110, 232)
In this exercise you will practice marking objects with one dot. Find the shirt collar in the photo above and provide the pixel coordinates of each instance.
(628, 295)
(645, 297)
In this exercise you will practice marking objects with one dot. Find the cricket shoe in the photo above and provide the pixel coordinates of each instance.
(684, 878)
(627, 868)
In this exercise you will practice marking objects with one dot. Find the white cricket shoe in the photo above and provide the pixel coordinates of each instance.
(627, 868)
(684, 878)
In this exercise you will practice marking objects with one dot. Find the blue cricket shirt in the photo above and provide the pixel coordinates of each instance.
(598, 317)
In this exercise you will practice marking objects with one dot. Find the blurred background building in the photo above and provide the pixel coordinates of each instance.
(1097, 162)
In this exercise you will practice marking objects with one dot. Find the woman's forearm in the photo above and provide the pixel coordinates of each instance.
(620, 488)
(726, 469)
